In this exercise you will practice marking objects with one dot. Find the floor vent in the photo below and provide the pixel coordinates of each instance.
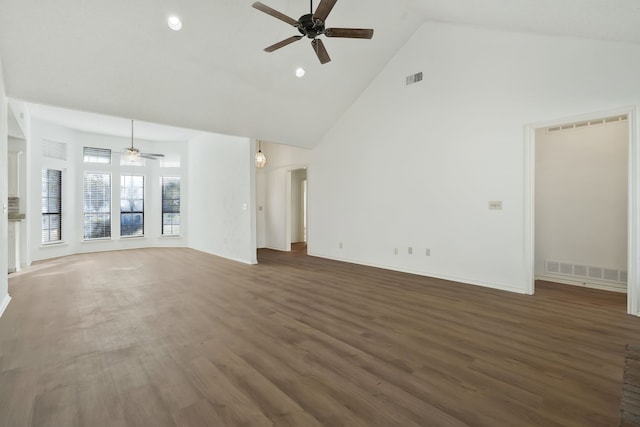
(586, 271)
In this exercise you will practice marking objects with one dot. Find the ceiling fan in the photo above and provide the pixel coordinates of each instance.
(134, 154)
(312, 25)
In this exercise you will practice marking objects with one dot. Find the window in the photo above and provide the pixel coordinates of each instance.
(97, 155)
(131, 205)
(51, 205)
(170, 206)
(97, 205)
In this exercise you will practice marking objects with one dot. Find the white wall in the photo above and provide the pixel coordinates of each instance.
(415, 166)
(581, 200)
(72, 175)
(222, 196)
(274, 196)
(4, 255)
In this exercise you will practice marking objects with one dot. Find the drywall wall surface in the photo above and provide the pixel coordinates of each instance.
(415, 167)
(220, 196)
(581, 202)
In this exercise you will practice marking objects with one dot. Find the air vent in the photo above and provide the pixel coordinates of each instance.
(414, 78)
(54, 149)
(578, 125)
(586, 271)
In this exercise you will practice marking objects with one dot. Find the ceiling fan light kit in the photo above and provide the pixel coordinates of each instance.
(134, 154)
(312, 25)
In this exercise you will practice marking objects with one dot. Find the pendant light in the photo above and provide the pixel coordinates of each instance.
(261, 159)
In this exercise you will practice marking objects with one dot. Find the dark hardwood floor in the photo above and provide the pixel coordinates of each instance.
(164, 337)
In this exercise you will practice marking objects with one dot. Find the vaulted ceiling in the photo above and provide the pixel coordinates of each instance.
(119, 57)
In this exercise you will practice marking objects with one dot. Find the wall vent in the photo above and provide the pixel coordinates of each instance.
(586, 271)
(587, 123)
(414, 78)
(54, 149)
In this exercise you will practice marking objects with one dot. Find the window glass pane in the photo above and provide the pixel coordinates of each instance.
(97, 155)
(170, 206)
(97, 205)
(51, 205)
(132, 205)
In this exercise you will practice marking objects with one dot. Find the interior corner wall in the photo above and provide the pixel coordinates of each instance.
(4, 244)
(581, 201)
(415, 167)
(221, 197)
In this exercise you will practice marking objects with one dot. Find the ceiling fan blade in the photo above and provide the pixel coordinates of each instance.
(320, 50)
(283, 43)
(279, 15)
(323, 9)
(147, 156)
(152, 154)
(351, 33)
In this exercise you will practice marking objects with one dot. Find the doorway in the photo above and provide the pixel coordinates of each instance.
(585, 266)
(298, 209)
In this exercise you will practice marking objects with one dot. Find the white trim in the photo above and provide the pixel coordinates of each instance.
(633, 240)
(484, 284)
(5, 304)
(633, 249)
(613, 287)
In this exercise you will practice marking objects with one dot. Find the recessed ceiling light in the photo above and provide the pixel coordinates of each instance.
(300, 72)
(175, 23)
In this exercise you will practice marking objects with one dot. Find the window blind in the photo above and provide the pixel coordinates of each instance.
(97, 155)
(51, 205)
(170, 205)
(132, 205)
(97, 205)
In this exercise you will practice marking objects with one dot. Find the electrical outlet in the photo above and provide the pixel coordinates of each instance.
(410, 250)
(395, 251)
(340, 245)
(427, 252)
(495, 205)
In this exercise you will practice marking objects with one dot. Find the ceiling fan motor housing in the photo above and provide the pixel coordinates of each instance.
(310, 27)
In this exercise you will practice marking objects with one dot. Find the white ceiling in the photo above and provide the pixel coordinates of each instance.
(119, 58)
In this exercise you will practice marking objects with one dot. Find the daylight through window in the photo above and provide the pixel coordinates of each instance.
(170, 206)
(97, 205)
(132, 205)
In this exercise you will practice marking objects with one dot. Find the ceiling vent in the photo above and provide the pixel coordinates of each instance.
(586, 123)
(414, 78)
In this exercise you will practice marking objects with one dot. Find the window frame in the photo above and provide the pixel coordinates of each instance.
(46, 195)
(164, 206)
(132, 212)
(106, 228)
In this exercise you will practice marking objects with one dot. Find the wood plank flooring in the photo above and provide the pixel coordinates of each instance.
(176, 337)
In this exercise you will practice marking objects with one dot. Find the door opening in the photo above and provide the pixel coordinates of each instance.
(581, 207)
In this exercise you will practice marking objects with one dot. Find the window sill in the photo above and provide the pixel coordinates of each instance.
(54, 244)
(131, 237)
(105, 239)
(176, 236)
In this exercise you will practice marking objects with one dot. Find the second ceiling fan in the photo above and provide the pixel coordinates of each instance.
(312, 25)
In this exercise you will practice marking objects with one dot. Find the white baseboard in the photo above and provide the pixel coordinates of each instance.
(5, 304)
(464, 281)
(614, 287)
